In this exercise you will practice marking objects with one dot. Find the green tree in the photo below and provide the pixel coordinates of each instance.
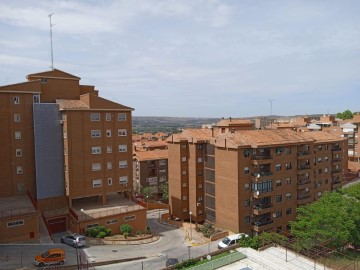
(347, 114)
(165, 190)
(126, 229)
(146, 191)
(333, 220)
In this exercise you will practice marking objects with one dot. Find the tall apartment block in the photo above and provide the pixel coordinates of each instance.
(65, 154)
(251, 180)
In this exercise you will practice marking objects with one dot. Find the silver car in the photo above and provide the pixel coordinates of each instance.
(74, 240)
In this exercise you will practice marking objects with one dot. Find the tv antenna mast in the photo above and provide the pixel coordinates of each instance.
(271, 101)
(51, 42)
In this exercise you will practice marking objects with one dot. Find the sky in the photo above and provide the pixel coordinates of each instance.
(193, 58)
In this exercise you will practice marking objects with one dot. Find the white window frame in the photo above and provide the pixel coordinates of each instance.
(108, 116)
(184, 198)
(17, 135)
(122, 132)
(108, 133)
(18, 152)
(36, 98)
(111, 221)
(183, 159)
(109, 149)
(16, 223)
(123, 164)
(109, 165)
(123, 180)
(199, 160)
(19, 169)
(96, 150)
(96, 167)
(16, 100)
(121, 116)
(122, 148)
(95, 116)
(109, 181)
(97, 183)
(95, 133)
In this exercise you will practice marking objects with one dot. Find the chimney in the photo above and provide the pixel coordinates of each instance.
(230, 118)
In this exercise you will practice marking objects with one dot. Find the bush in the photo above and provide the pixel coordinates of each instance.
(101, 228)
(138, 232)
(87, 233)
(108, 232)
(148, 230)
(126, 228)
(126, 234)
(94, 232)
(101, 234)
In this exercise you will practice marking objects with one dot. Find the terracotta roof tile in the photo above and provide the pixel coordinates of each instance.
(151, 155)
(71, 104)
(321, 136)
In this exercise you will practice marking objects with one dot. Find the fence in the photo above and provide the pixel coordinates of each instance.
(217, 263)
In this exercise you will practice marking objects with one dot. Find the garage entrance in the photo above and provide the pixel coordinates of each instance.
(57, 224)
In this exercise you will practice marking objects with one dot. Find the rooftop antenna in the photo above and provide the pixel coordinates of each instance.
(271, 101)
(51, 42)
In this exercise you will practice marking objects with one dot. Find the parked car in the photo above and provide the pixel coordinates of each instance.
(50, 257)
(74, 240)
(171, 262)
(231, 240)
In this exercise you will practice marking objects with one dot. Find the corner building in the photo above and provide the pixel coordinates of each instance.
(66, 156)
(251, 180)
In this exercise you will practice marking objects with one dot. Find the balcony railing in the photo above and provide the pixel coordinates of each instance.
(303, 152)
(262, 206)
(304, 167)
(261, 193)
(336, 148)
(303, 182)
(260, 157)
(303, 197)
(262, 173)
(334, 160)
(262, 223)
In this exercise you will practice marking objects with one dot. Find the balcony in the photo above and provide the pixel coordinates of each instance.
(260, 208)
(303, 153)
(262, 225)
(336, 160)
(336, 148)
(261, 173)
(261, 194)
(304, 167)
(304, 198)
(303, 181)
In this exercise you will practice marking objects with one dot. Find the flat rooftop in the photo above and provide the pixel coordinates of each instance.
(15, 206)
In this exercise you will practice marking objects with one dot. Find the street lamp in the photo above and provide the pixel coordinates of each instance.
(147, 202)
(190, 227)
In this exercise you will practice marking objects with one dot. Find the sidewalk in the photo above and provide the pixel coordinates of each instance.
(193, 237)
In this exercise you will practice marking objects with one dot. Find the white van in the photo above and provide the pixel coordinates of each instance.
(231, 240)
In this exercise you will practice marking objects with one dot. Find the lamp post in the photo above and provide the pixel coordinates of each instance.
(190, 227)
(147, 202)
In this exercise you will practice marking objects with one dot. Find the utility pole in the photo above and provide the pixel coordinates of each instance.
(51, 42)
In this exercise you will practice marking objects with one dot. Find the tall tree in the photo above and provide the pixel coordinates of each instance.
(333, 219)
(347, 114)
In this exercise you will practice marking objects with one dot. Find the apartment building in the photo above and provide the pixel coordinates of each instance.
(66, 153)
(251, 180)
(150, 171)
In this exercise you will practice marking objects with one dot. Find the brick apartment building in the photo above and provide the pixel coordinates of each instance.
(65, 157)
(150, 171)
(251, 180)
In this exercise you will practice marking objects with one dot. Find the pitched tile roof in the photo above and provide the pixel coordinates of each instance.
(321, 136)
(234, 122)
(150, 155)
(56, 73)
(71, 104)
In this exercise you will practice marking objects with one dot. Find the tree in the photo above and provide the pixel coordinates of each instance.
(347, 114)
(165, 190)
(146, 191)
(333, 219)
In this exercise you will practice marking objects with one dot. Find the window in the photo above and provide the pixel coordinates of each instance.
(287, 150)
(18, 152)
(246, 203)
(246, 186)
(319, 159)
(320, 171)
(17, 135)
(247, 219)
(184, 146)
(95, 116)
(200, 185)
(319, 194)
(184, 184)
(111, 221)
(121, 132)
(288, 196)
(288, 211)
(121, 116)
(200, 172)
(246, 170)
(199, 147)
(43, 80)
(96, 150)
(123, 180)
(278, 167)
(200, 212)
(16, 100)
(162, 162)
(162, 178)
(109, 181)
(278, 213)
(278, 183)
(184, 172)
(97, 183)
(326, 170)
(319, 147)
(36, 98)
(247, 153)
(183, 159)
(288, 181)
(108, 116)
(162, 171)
(95, 133)
(200, 159)
(278, 198)
(129, 218)
(326, 158)
(109, 165)
(108, 133)
(17, 118)
(92, 225)
(19, 169)
(15, 223)
(122, 148)
(123, 164)
(288, 166)
(96, 167)
(326, 147)
(109, 149)
(184, 198)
